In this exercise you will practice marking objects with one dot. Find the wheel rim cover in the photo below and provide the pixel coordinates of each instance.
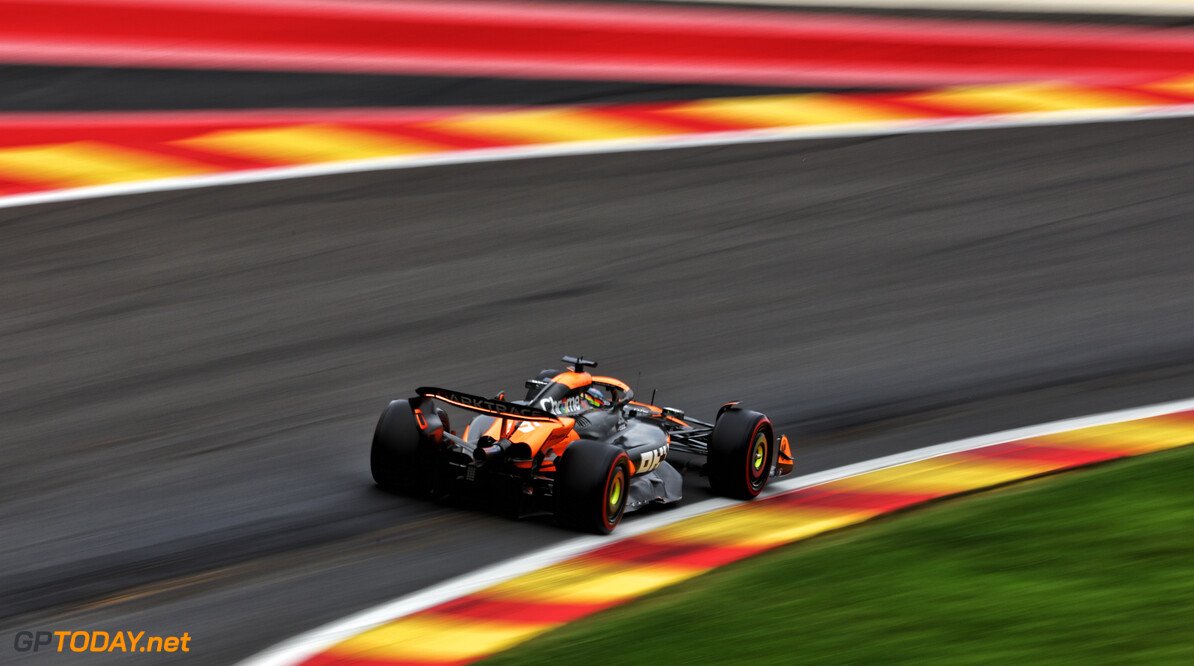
(759, 454)
(615, 491)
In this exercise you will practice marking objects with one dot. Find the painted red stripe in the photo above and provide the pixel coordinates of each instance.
(216, 161)
(904, 102)
(436, 137)
(9, 187)
(1158, 97)
(639, 550)
(624, 42)
(821, 497)
(146, 130)
(163, 126)
(159, 119)
(658, 114)
(1059, 457)
(479, 607)
(31, 133)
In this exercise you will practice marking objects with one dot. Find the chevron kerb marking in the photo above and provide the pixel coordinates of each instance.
(75, 152)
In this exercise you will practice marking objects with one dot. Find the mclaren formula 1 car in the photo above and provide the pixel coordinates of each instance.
(577, 446)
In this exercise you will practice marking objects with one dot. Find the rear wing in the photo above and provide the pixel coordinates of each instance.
(490, 406)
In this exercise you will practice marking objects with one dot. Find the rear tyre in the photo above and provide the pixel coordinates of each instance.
(592, 485)
(741, 453)
(399, 458)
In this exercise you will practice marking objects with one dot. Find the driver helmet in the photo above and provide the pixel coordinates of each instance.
(595, 398)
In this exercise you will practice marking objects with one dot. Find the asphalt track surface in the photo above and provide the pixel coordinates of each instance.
(997, 14)
(1001, 13)
(190, 379)
(48, 88)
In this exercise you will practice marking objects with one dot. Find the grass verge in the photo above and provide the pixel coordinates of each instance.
(1095, 567)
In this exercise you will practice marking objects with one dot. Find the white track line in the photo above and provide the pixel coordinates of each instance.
(612, 146)
(303, 646)
(1122, 7)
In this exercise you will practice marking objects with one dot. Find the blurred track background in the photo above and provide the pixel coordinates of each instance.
(190, 379)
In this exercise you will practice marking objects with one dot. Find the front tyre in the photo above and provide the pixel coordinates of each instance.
(399, 456)
(741, 453)
(592, 485)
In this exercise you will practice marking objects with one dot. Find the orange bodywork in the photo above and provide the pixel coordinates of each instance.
(657, 411)
(783, 462)
(573, 379)
(553, 437)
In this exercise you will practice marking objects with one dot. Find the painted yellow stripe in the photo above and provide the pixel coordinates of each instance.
(790, 110)
(757, 526)
(1134, 437)
(429, 637)
(550, 126)
(1182, 85)
(84, 163)
(1184, 420)
(584, 581)
(1030, 97)
(945, 475)
(302, 144)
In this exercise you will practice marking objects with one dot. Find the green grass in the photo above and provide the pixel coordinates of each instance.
(1093, 567)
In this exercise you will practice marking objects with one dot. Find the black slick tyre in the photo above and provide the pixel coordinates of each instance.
(398, 457)
(741, 453)
(591, 487)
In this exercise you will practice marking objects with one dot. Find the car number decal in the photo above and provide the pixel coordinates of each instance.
(649, 460)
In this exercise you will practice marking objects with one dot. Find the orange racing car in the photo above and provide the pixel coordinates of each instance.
(577, 446)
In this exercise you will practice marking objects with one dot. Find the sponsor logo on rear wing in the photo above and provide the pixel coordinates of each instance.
(491, 406)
